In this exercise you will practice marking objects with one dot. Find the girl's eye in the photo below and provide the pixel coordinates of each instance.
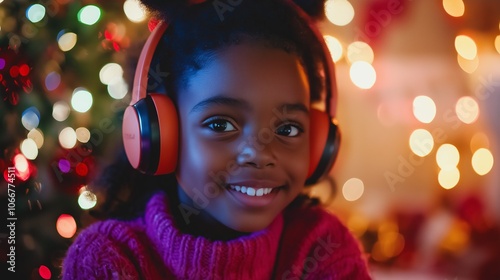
(220, 125)
(289, 130)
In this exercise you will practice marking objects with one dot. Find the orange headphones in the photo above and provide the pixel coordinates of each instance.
(150, 123)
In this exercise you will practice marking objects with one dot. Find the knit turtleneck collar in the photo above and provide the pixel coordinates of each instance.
(189, 257)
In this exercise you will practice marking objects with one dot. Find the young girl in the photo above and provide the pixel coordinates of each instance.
(242, 76)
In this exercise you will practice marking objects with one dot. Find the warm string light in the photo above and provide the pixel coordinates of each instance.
(455, 8)
(81, 100)
(87, 200)
(335, 47)
(339, 12)
(66, 226)
(447, 158)
(421, 142)
(353, 189)
(424, 109)
(134, 10)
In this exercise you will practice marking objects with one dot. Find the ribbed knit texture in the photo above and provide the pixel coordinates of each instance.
(300, 244)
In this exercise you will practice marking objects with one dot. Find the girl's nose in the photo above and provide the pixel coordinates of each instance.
(256, 156)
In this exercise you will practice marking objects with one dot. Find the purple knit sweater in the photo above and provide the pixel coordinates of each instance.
(299, 244)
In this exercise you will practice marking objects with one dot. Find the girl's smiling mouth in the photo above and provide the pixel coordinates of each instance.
(251, 191)
(253, 194)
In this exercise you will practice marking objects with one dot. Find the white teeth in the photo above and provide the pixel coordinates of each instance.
(251, 191)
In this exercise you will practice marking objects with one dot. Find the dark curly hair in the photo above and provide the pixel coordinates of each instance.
(196, 33)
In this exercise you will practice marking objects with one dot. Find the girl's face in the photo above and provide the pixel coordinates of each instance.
(244, 136)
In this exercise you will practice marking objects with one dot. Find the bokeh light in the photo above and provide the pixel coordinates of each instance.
(339, 12)
(447, 157)
(109, 72)
(421, 142)
(89, 14)
(67, 41)
(87, 200)
(468, 66)
(35, 13)
(52, 81)
(67, 138)
(44, 272)
(82, 134)
(29, 149)
(457, 238)
(455, 8)
(466, 47)
(360, 51)
(482, 161)
(358, 224)
(37, 136)
(363, 74)
(467, 109)
(497, 43)
(81, 100)
(389, 245)
(60, 111)
(21, 163)
(82, 169)
(134, 11)
(424, 109)
(335, 47)
(24, 70)
(30, 118)
(64, 165)
(390, 242)
(28, 241)
(448, 179)
(353, 189)
(66, 226)
(118, 88)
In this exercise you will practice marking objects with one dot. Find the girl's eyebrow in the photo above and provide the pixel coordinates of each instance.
(294, 107)
(219, 100)
(242, 104)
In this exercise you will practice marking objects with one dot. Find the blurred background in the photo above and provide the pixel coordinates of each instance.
(419, 88)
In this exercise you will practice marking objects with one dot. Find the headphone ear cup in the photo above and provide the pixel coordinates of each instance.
(151, 133)
(324, 145)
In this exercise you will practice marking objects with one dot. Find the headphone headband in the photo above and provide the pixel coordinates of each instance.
(139, 90)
